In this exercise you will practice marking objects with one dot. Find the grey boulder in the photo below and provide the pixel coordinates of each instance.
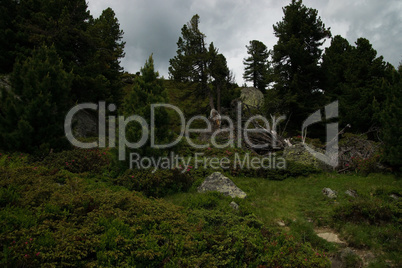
(218, 182)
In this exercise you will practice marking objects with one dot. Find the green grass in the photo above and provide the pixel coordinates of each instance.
(80, 198)
(68, 211)
(300, 203)
(301, 198)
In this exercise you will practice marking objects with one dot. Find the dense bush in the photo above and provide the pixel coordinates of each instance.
(79, 160)
(157, 184)
(51, 217)
(293, 169)
(373, 211)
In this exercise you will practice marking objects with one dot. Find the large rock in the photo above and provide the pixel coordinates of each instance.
(85, 124)
(252, 97)
(218, 182)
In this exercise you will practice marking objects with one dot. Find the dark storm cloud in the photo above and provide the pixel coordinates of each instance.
(153, 26)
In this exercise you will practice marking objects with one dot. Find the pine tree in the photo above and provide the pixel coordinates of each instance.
(8, 31)
(61, 23)
(91, 48)
(107, 35)
(257, 65)
(390, 117)
(32, 114)
(147, 90)
(296, 58)
(191, 64)
(359, 79)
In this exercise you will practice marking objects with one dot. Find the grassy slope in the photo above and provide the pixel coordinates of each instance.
(298, 201)
(67, 211)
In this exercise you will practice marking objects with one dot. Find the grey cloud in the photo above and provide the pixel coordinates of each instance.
(153, 26)
(378, 21)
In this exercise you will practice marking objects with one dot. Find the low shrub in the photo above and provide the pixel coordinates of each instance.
(293, 169)
(209, 200)
(52, 217)
(79, 160)
(13, 160)
(367, 165)
(157, 184)
(373, 211)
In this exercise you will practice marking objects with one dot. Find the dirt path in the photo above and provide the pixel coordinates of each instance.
(338, 261)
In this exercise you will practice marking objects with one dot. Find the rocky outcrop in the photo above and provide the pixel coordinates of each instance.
(85, 124)
(218, 182)
(252, 97)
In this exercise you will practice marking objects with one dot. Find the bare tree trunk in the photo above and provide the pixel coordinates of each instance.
(211, 100)
(218, 98)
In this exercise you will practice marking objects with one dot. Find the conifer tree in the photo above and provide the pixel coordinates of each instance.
(148, 89)
(191, 64)
(257, 65)
(32, 114)
(296, 58)
(390, 117)
(107, 35)
(8, 31)
(359, 79)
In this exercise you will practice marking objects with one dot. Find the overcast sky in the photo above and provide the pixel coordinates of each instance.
(154, 26)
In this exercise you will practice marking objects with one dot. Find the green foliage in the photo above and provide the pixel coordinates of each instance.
(89, 48)
(358, 79)
(372, 222)
(147, 90)
(79, 160)
(366, 165)
(292, 170)
(389, 117)
(8, 10)
(296, 57)
(304, 231)
(373, 211)
(87, 223)
(155, 184)
(209, 200)
(32, 115)
(106, 32)
(196, 64)
(8, 196)
(13, 160)
(257, 65)
(190, 63)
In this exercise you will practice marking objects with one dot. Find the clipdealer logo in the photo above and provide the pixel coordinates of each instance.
(107, 137)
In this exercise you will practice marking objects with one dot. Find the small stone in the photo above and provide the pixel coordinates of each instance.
(329, 193)
(234, 205)
(351, 193)
(330, 237)
(281, 223)
(394, 196)
(218, 182)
